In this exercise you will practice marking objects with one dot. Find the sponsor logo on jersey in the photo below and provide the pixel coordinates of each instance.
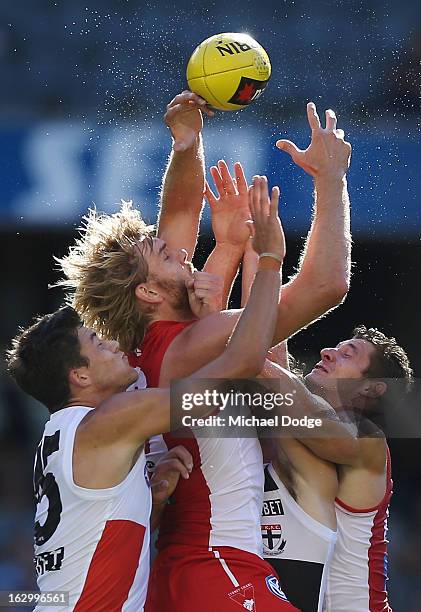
(272, 584)
(247, 91)
(273, 544)
(50, 561)
(272, 507)
(244, 596)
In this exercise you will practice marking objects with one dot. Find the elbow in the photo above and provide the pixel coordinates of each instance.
(255, 364)
(335, 292)
(345, 452)
(247, 365)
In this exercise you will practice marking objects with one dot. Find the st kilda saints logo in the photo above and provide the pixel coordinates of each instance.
(273, 544)
(247, 91)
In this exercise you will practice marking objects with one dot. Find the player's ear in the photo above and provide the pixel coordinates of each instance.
(146, 293)
(79, 377)
(374, 388)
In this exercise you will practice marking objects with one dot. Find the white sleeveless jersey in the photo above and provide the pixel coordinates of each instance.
(220, 503)
(92, 543)
(297, 546)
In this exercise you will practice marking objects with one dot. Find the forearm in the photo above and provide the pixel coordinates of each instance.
(224, 262)
(324, 272)
(326, 258)
(156, 513)
(182, 197)
(248, 272)
(336, 440)
(244, 357)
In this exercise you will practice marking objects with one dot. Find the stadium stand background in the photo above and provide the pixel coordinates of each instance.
(83, 92)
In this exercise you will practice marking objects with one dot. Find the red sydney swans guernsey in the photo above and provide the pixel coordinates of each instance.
(92, 543)
(220, 504)
(358, 571)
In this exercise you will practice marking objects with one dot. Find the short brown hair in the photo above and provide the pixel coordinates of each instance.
(103, 269)
(389, 359)
(42, 355)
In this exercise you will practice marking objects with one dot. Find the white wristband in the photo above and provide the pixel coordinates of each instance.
(273, 255)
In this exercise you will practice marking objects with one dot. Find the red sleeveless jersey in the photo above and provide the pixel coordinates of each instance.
(158, 337)
(220, 503)
(358, 571)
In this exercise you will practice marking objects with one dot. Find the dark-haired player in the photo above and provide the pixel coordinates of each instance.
(93, 501)
(311, 480)
(370, 362)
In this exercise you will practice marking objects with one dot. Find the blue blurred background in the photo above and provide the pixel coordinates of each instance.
(84, 88)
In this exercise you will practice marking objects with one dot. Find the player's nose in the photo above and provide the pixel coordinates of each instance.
(328, 354)
(114, 346)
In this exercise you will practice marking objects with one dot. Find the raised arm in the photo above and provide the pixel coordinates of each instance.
(324, 273)
(254, 330)
(230, 212)
(184, 178)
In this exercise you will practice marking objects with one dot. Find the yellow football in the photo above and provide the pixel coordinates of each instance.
(230, 71)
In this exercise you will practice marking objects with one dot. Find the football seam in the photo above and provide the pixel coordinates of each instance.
(228, 70)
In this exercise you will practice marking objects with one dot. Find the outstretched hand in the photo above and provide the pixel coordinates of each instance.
(328, 152)
(230, 207)
(185, 120)
(268, 235)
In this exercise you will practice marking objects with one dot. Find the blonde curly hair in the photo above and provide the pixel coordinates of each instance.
(102, 270)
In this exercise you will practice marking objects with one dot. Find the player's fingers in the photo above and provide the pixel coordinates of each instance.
(251, 200)
(226, 177)
(182, 454)
(202, 294)
(207, 284)
(176, 465)
(340, 134)
(289, 147)
(240, 178)
(257, 193)
(250, 226)
(174, 110)
(159, 487)
(264, 196)
(190, 286)
(274, 201)
(312, 116)
(330, 120)
(207, 110)
(186, 97)
(209, 195)
(217, 179)
(202, 104)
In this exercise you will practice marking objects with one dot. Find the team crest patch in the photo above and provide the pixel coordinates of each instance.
(272, 584)
(273, 544)
(244, 596)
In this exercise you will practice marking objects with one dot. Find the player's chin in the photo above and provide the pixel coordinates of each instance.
(315, 374)
(315, 378)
